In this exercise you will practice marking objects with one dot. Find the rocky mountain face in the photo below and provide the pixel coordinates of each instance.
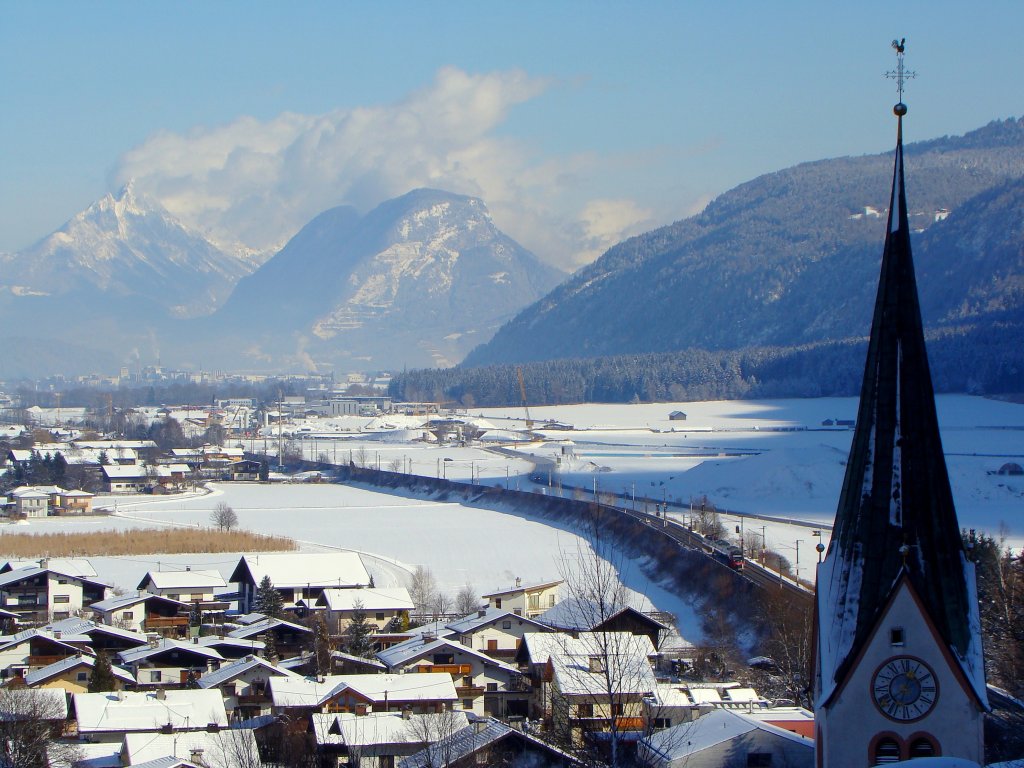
(127, 250)
(418, 281)
(791, 259)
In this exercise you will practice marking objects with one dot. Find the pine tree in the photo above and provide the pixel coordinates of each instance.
(321, 647)
(270, 647)
(192, 680)
(357, 635)
(195, 615)
(102, 675)
(268, 600)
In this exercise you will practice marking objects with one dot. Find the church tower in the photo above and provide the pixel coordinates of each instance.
(899, 671)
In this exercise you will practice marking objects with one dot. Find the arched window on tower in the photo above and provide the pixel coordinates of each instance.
(886, 751)
(922, 747)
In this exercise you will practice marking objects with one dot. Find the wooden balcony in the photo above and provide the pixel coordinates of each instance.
(451, 669)
(465, 691)
(45, 661)
(165, 622)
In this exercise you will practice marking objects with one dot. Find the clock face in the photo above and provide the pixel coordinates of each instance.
(904, 689)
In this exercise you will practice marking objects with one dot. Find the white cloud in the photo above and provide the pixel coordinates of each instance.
(255, 183)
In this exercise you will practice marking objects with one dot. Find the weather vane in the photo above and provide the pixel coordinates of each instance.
(900, 75)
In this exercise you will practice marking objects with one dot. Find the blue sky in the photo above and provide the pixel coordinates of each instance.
(577, 122)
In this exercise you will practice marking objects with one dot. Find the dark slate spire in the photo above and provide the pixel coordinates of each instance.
(895, 513)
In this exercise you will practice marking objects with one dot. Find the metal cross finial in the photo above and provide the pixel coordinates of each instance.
(900, 75)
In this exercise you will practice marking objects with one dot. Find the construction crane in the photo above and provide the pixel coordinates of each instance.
(522, 392)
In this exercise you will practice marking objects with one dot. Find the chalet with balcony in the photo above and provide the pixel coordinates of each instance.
(361, 694)
(300, 579)
(73, 674)
(187, 587)
(496, 632)
(290, 639)
(32, 649)
(39, 594)
(575, 615)
(167, 663)
(382, 606)
(243, 683)
(483, 684)
(245, 470)
(529, 600)
(144, 612)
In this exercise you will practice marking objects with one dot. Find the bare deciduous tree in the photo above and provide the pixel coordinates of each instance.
(467, 600)
(224, 517)
(31, 722)
(435, 732)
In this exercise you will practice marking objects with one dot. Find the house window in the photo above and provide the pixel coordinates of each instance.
(83, 676)
(896, 636)
(506, 625)
(62, 581)
(534, 602)
(585, 710)
(759, 759)
(497, 602)
(660, 723)
(380, 616)
(467, 703)
(444, 658)
(174, 596)
(61, 599)
(60, 615)
(467, 681)
(596, 664)
(154, 676)
(551, 601)
(922, 747)
(492, 687)
(128, 615)
(518, 611)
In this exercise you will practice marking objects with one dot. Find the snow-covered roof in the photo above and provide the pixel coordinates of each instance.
(310, 692)
(625, 654)
(73, 566)
(524, 588)
(126, 601)
(474, 621)
(717, 727)
(288, 571)
(135, 655)
(13, 577)
(578, 614)
(39, 676)
(459, 745)
(73, 626)
(415, 648)
(264, 625)
(183, 580)
(234, 669)
(374, 728)
(228, 748)
(368, 598)
(185, 709)
(42, 703)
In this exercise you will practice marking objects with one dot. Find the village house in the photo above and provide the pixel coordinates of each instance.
(245, 470)
(490, 742)
(361, 694)
(167, 663)
(497, 632)
(380, 605)
(243, 684)
(29, 502)
(530, 600)
(75, 502)
(483, 684)
(379, 738)
(93, 637)
(126, 478)
(109, 717)
(725, 737)
(187, 586)
(73, 674)
(39, 594)
(144, 612)
(228, 748)
(300, 579)
(290, 639)
(31, 649)
(576, 615)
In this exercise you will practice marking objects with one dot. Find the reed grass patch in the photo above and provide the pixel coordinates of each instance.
(139, 541)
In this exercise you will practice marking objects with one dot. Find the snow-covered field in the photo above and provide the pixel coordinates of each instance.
(771, 460)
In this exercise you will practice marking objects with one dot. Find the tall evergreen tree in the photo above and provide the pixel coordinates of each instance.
(270, 647)
(321, 647)
(358, 640)
(268, 600)
(102, 675)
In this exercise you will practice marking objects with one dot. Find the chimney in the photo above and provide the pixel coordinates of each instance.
(519, 582)
(407, 714)
(481, 613)
(195, 756)
(57, 635)
(195, 640)
(480, 726)
(161, 694)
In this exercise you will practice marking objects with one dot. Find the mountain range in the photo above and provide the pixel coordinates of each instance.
(418, 281)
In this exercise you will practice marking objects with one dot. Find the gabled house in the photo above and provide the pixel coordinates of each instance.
(576, 615)
(109, 717)
(490, 742)
(40, 594)
(482, 683)
(360, 694)
(592, 683)
(289, 638)
(529, 600)
(126, 478)
(243, 683)
(222, 748)
(382, 606)
(246, 470)
(32, 649)
(93, 636)
(30, 502)
(380, 738)
(498, 632)
(73, 674)
(165, 662)
(299, 578)
(187, 586)
(144, 612)
(725, 737)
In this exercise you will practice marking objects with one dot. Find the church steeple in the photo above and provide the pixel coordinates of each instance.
(896, 523)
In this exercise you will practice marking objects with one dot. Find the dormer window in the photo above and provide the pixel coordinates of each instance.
(596, 664)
